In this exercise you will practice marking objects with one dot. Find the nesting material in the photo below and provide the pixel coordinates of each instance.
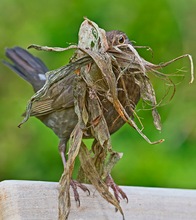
(99, 69)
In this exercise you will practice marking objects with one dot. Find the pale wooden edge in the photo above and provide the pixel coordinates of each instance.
(39, 200)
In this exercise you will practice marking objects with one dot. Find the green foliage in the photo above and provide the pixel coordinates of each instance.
(167, 26)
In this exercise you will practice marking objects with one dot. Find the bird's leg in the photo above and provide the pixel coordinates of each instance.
(118, 192)
(74, 184)
(62, 149)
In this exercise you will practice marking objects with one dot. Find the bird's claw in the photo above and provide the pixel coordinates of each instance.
(118, 192)
(74, 184)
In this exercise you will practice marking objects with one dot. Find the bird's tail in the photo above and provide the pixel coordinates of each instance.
(27, 66)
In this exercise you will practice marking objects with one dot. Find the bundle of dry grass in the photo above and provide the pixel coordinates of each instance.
(110, 77)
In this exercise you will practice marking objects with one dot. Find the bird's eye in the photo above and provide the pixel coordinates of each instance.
(121, 39)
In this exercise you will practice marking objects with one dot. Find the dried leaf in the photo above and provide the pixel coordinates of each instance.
(64, 195)
(94, 177)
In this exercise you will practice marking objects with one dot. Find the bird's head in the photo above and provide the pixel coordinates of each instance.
(116, 37)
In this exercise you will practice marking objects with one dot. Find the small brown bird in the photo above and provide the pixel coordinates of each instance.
(56, 111)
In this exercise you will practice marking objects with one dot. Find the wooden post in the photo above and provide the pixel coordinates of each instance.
(36, 200)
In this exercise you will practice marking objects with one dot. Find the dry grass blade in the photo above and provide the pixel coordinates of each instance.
(90, 171)
(64, 195)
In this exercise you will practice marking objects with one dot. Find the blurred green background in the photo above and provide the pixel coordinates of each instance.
(167, 26)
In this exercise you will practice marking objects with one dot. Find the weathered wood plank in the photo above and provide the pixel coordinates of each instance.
(29, 200)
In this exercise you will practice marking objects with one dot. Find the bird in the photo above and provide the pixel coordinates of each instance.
(57, 112)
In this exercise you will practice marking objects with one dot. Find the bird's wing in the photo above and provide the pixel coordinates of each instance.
(58, 97)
